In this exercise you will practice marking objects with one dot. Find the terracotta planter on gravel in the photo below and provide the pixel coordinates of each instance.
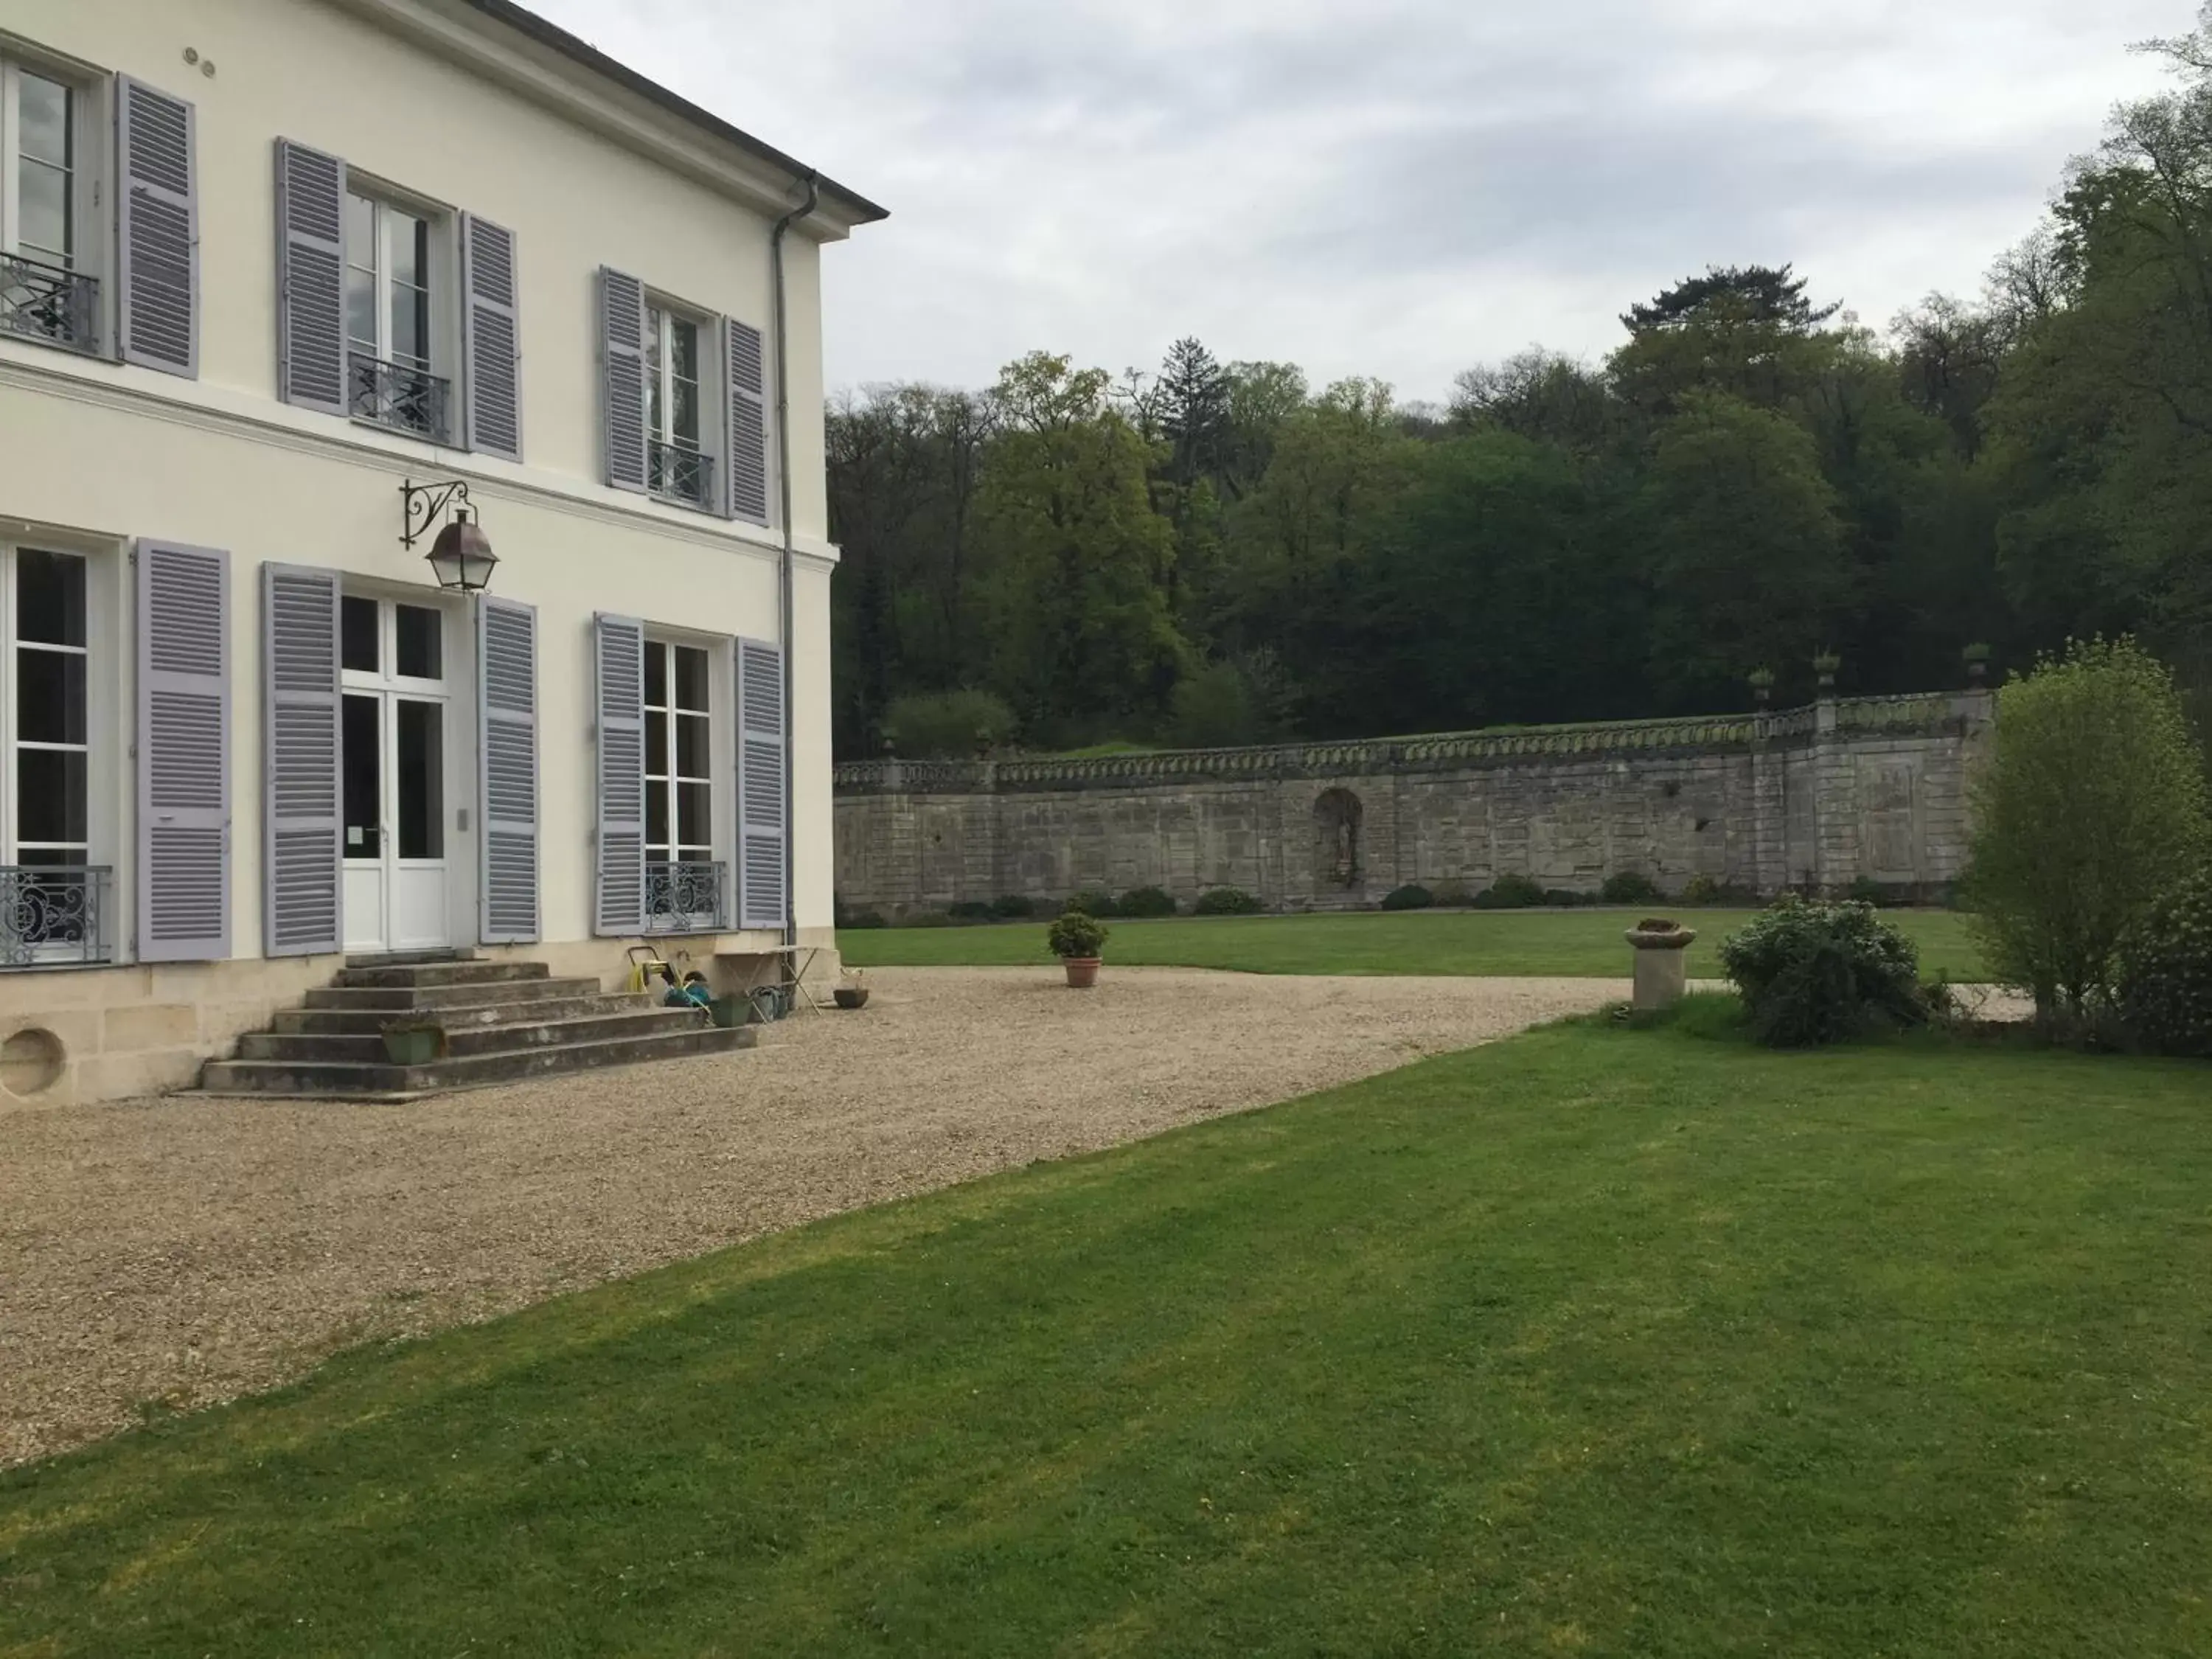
(1082, 972)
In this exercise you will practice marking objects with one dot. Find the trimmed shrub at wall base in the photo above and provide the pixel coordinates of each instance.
(1812, 973)
(1146, 902)
(1012, 907)
(1701, 890)
(971, 910)
(1509, 893)
(1095, 901)
(1411, 897)
(1226, 901)
(2164, 983)
(1629, 887)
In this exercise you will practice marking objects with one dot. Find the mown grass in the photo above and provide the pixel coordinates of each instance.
(1599, 1341)
(1574, 943)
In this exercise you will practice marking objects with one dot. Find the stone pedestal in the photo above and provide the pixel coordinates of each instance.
(1662, 964)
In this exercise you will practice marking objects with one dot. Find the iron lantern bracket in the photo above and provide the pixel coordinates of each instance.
(419, 505)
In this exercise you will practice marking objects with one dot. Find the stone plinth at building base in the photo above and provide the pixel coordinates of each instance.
(1814, 799)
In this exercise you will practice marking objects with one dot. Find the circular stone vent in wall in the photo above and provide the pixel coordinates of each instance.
(31, 1062)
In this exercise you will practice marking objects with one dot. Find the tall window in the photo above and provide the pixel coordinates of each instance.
(388, 317)
(47, 814)
(677, 465)
(679, 789)
(42, 292)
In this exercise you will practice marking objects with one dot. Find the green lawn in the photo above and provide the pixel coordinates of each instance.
(1598, 1341)
(1579, 943)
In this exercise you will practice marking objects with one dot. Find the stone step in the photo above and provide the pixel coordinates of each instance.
(395, 998)
(371, 1022)
(424, 974)
(408, 958)
(466, 1041)
(379, 1080)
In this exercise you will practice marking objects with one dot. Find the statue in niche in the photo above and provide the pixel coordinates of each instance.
(1337, 815)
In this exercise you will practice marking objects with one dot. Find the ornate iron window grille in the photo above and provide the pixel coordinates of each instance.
(679, 474)
(401, 396)
(686, 898)
(53, 914)
(45, 302)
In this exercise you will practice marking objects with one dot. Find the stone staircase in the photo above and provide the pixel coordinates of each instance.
(505, 1021)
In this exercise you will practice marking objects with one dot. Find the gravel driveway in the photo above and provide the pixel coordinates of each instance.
(178, 1252)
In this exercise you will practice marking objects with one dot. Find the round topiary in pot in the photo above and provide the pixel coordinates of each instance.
(1076, 938)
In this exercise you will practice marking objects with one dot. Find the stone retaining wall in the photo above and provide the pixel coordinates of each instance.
(1814, 797)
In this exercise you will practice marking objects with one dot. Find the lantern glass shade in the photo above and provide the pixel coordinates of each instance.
(462, 556)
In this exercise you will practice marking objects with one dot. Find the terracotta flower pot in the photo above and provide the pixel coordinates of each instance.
(1082, 972)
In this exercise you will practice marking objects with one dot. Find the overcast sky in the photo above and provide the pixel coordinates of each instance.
(1389, 187)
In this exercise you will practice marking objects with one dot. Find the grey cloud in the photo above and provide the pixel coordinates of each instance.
(1397, 188)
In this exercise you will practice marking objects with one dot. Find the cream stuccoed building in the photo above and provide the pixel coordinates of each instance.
(258, 321)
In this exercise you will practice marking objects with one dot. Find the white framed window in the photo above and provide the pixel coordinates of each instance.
(49, 197)
(398, 293)
(679, 748)
(50, 898)
(677, 345)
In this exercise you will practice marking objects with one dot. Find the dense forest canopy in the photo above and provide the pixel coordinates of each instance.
(1222, 553)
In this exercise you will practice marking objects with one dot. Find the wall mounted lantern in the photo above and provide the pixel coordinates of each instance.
(461, 556)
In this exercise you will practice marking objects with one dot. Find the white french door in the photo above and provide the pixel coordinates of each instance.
(396, 737)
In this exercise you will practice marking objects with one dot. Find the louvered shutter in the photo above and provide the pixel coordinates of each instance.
(748, 467)
(619, 645)
(301, 874)
(158, 230)
(311, 333)
(622, 351)
(763, 775)
(184, 753)
(492, 344)
(507, 703)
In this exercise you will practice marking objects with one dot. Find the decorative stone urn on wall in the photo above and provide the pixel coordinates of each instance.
(1663, 968)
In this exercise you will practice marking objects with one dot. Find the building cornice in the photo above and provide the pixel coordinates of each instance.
(518, 49)
(205, 407)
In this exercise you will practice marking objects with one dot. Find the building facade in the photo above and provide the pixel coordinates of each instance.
(1819, 799)
(245, 303)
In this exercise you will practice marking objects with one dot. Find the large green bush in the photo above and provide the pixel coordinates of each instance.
(2092, 802)
(1226, 901)
(2163, 985)
(1811, 973)
(1412, 897)
(947, 725)
(1147, 902)
(1095, 901)
(1629, 887)
(1514, 892)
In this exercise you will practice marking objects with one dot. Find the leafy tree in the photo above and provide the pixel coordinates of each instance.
(947, 725)
(1750, 566)
(1074, 586)
(2093, 801)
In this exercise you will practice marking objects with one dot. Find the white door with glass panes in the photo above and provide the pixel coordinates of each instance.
(684, 885)
(677, 466)
(394, 738)
(51, 899)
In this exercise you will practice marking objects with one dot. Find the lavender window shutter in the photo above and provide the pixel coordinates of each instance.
(619, 647)
(764, 776)
(301, 876)
(184, 753)
(507, 704)
(311, 333)
(492, 351)
(621, 353)
(158, 230)
(748, 424)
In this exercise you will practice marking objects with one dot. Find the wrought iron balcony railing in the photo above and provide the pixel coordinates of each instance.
(45, 302)
(53, 914)
(678, 474)
(686, 898)
(400, 396)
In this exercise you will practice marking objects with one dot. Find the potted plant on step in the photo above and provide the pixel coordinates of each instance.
(1076, 938)
(851, 990)
(414, 1041)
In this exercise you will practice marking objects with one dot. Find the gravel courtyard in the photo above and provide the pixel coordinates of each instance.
(168, 1254)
